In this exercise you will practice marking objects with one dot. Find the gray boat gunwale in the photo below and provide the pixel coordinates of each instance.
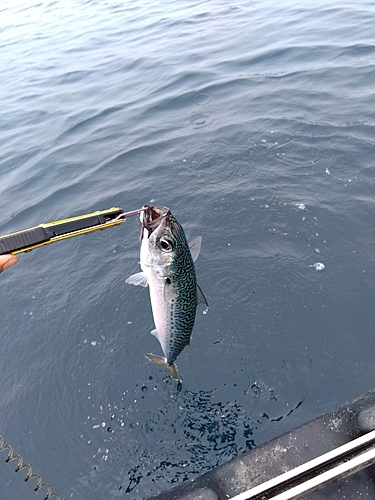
(290, 450)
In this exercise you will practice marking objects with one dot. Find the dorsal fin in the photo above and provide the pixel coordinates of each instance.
(201, 299)
(195, 247)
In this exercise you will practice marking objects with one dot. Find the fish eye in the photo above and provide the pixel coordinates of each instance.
(165, 245)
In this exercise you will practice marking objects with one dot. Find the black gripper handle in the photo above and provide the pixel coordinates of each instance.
(23, 239)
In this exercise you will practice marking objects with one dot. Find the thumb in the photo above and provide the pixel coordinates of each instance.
(7, 261)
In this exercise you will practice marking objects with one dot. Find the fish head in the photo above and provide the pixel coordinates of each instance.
(160, 240)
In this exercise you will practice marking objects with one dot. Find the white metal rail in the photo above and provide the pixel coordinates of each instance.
(313, 475)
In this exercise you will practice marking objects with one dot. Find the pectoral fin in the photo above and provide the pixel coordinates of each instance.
(160, 361)
(137, 279)
(170, 292)
(195, 247)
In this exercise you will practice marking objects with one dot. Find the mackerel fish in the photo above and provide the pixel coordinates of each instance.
(167, 263)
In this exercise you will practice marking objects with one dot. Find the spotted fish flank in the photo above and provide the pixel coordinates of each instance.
(167, 263)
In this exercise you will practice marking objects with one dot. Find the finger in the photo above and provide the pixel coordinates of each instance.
(7, 261)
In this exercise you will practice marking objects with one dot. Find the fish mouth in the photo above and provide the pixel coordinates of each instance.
(152, 216)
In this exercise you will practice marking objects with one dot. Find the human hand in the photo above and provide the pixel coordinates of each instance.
(7, 261)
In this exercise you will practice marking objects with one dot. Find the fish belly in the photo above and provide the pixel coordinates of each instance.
(174, 320)
(159, 311)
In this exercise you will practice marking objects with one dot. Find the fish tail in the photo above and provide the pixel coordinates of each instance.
(160, 361)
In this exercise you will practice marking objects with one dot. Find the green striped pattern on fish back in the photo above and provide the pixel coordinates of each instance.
(181, 310)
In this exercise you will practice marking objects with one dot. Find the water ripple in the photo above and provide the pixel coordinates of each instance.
(254, 122)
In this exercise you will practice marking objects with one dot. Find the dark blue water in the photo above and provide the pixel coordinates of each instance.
(255, 123)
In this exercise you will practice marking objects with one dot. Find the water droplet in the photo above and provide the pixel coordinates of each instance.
(319, 266)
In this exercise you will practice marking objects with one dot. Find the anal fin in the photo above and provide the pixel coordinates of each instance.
(160, 361)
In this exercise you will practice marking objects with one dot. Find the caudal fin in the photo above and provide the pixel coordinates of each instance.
(160, 361)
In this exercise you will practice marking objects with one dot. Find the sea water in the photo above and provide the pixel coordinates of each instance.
(254, 121)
